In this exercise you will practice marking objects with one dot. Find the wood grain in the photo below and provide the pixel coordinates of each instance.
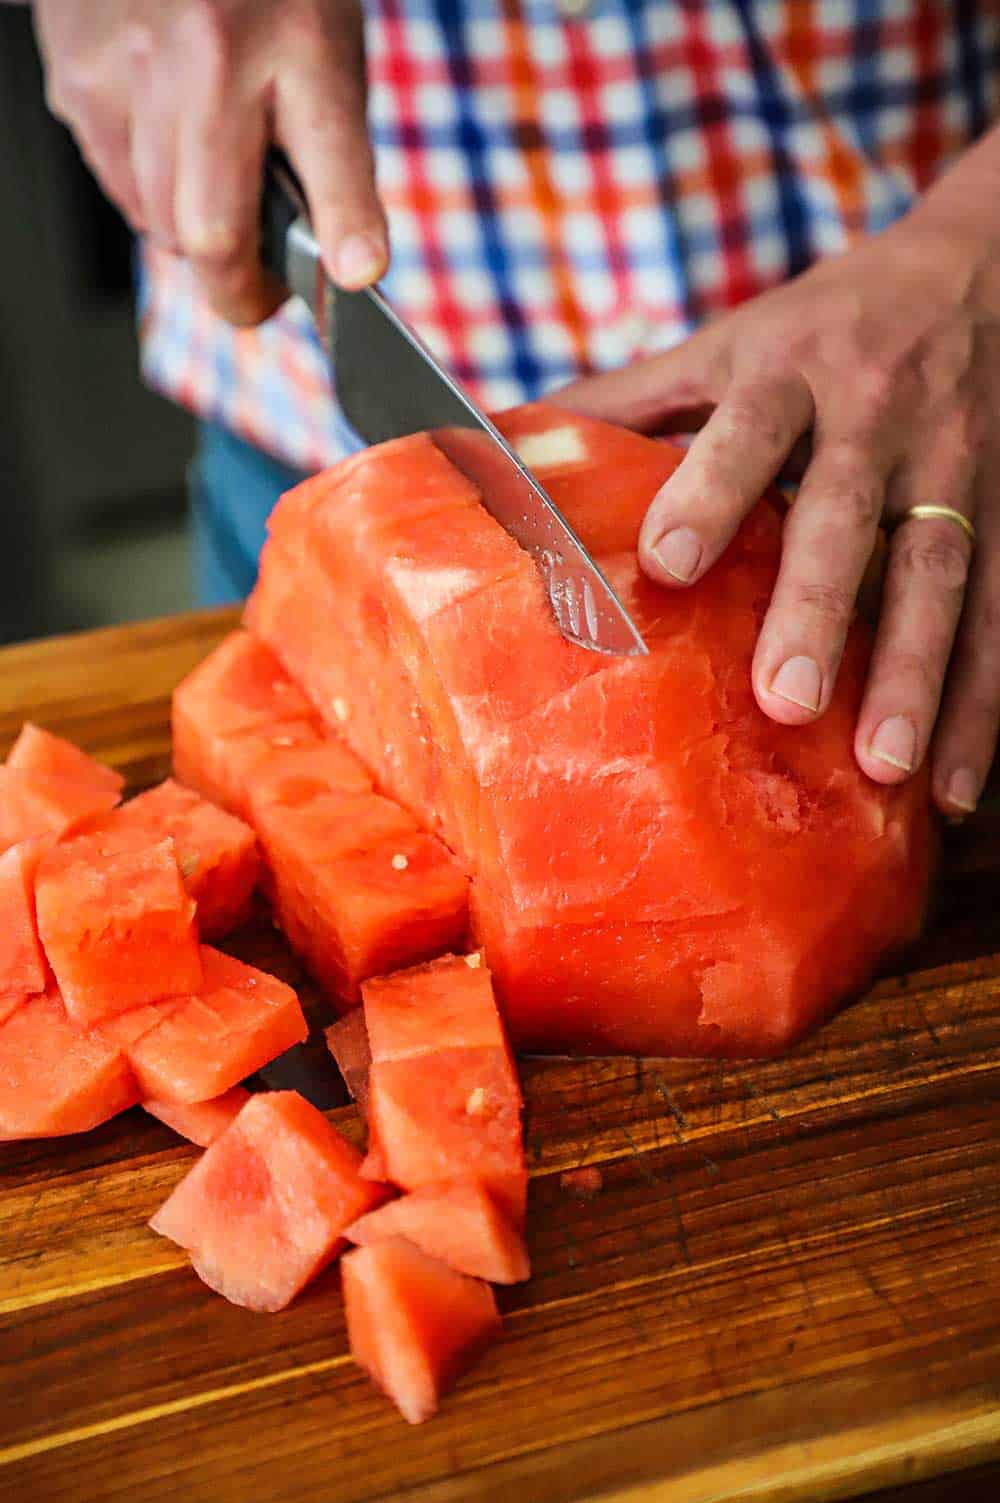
(787, 1289)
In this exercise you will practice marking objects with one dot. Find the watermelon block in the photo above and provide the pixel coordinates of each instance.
(655, 866)
(460, 1224)
(265, 1207)
(217, 853)
(116, 925)
(200, 1122)
(295, 775)
(53, 1078)
(357, 887)
(22, 962)
(347, 1041)
(34, 804)
(239, 688)
(39, 751)
(446, 1004)
(203, 1044)
(413, 1323)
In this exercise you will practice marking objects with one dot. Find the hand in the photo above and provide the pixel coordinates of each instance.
(172, 103)
(886, 362)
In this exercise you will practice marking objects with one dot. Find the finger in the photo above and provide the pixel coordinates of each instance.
(221, 137)
(729, 464)
(320, 120)
(828, 539)
(966, 738)
(923, 595)
(670, 393)
(105, 147)
(153, 146)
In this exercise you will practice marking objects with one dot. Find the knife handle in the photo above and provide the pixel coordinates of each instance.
(283, 202)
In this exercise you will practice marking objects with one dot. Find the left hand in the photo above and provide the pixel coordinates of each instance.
(886, 363)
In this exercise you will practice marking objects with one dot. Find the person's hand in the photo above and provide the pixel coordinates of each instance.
(172, 103)
(883, 368)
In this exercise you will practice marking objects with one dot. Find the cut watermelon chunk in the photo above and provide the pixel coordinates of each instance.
(53, 1078)
(295, 775)
(656, 867)
(34, 804)
(116, 925)
(237, 1022)
(200, 1122)
(217, 853)
(459, 1223)
(265, 1207)
(357, 888)
(22, 962)
(414, 1324)
(39, 751)
(347, 1041)
(446, 1004)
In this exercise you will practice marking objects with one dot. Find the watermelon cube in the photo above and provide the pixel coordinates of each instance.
(200, 1122)
(413, 1323)
(446, 1004)
(22, 962)
(55, 1079)
(237, 1021)
(34, 804)
(460, 1224)
(116, 925)
(217, 853)
(39, 751)
(265, 1207)
(347, 1041)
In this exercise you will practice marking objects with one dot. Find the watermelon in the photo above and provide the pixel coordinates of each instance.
(217, 853)
(459, 1223)
(656, 866)
(357, 887)
(39, 751)
(22, 963)
(35, 804)
(200, 1122)
(201, 1045)
(265, 1207)
(116, 925)
(239, 689)
(347, 1041)
(413, 1323)
(53, 1078)
(443, 1096)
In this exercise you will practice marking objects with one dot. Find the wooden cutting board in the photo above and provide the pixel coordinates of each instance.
(788, 1287)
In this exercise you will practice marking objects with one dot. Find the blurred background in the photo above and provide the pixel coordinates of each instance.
(93, 523)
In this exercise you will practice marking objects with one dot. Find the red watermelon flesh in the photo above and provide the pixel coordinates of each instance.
(238, 1020)
(413, 1323)
(265, 1207)
(295, 775)
(116, 925)
(22, 961)
(347, 1041)
(458, 1223)
(611, 806)
(39, 751)
(53, 1078)
(446, 1004)
(35, 804)
(200, 1122)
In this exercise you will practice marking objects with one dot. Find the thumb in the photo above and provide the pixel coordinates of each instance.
(320, 120)
(670, 393)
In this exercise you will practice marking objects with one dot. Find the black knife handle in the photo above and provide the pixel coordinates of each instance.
(284, 201)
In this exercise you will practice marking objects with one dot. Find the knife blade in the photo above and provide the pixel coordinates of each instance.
(388, 385)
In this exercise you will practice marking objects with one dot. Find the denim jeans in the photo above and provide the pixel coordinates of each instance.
(233, 487)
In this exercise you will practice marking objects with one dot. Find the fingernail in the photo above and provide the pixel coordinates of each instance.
(679, 552)
(799, 681)
(359, 261)
(895, 742)
(963, 790)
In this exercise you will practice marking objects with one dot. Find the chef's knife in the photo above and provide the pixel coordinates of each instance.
(388, 385)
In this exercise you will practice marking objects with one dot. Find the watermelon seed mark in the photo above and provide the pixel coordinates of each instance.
(399, 862)
(340, 709)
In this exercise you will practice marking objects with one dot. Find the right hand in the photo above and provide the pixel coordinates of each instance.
(172, 103)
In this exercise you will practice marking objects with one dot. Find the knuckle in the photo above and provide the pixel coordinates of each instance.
(219, 243)
(917, 670)
(932, 557)
(749, 413)
(829, 603)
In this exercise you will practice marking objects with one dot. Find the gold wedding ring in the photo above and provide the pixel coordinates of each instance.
(946, 514)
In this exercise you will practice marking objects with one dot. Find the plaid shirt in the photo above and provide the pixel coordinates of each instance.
(570, 185)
